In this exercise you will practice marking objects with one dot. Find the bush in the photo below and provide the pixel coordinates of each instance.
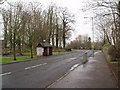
(68, 49)
(112, 52)
(6, 51)
(106, 45)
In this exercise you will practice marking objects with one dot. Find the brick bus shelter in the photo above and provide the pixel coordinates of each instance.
(44, 49)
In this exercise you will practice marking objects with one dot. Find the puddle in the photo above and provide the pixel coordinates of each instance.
(96, 52)
(92, 61)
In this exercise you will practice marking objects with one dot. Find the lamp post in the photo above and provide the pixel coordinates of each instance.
(2, 1)
(44, 41)
(92, 34)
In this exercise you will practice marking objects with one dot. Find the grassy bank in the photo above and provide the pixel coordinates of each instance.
(19, 58)
(54, 53)
(112, 60)
(22, 58)
(119, 63)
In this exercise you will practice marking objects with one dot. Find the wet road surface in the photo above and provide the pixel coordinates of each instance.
(42, 72)
(93, 74)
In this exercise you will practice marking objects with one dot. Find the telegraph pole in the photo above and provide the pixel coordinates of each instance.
(92, 36)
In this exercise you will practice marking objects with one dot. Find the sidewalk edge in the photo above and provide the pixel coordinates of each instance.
(49, 86)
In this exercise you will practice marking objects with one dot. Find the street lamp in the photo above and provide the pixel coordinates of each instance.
(92, 33)
(44, 41)
(2, 1)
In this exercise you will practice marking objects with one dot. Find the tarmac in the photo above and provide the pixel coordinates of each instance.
(94, 74)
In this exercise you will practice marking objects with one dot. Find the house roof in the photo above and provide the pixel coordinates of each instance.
(39, 45)
(44, 45)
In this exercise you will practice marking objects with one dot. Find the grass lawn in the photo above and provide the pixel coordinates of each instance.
(19, 58)
(59, 52)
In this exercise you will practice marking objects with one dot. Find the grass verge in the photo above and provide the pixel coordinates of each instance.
(19, 58)
(22, 58)
(54, 53)
(118, 63)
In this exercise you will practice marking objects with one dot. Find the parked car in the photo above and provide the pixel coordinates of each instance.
(69, 49)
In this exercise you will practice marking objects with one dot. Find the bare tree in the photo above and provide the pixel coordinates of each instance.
(25, 25)
(5, 21)
(81, 42)
(107, 10)
(66, 18)
(16, 23)
(2, 1)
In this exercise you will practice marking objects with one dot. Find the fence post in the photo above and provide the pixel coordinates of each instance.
(85, 56)
(93, 53)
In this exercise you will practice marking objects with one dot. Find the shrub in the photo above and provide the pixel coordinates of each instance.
(112, 52)
(106, 45)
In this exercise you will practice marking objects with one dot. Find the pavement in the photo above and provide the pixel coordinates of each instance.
(93, 74)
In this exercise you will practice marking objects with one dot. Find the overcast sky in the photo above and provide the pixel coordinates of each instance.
(82, 26)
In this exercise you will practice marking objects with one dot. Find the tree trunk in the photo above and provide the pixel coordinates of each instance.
(10, 32)
(118, 40)
(57, 36)
(31, 52)
(19, 47)
(11, 42)
(64, 40)
(30, 44)
(14, 44)
(108, 39)
(5, 31)
(49, 36)
(104, 39)
(60, 43)
(53, 39)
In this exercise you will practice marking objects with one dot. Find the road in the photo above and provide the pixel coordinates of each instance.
(42, 72)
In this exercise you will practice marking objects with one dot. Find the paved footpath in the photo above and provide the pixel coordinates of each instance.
(94, 74)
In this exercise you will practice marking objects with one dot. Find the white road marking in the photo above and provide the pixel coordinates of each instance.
(5, 74)
(72, 68)
(35, 66)
(82, 57)
(96, 52)
(73, 58)
(27, 68)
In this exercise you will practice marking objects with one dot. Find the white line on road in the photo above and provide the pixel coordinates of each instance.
(72, 58)
(5, 74)
(96, 52)
(35, 66)
(72, 68)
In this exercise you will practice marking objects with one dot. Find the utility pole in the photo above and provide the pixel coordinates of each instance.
(119, 28)
(2, 1)
(92, 34)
